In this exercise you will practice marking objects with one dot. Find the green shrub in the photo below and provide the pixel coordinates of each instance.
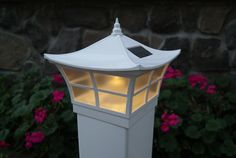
(34, 120)
(207, 112)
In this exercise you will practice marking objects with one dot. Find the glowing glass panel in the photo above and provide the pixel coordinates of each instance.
(153, 91)
(141, 82)
(78, 77)
(84, 95)
(139, 100)
(112, 83)
(112, 102)
(157, 74)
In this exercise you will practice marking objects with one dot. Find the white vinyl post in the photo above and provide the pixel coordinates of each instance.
(102, 135)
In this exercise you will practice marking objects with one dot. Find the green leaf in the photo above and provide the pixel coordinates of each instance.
(198, 148)
(223, 81)
(208, 137)
(157, 123)
(56, 149)
(21, 130)
(180, 83)
(16, 99)
(165, 94)
(50, 125)
(230, 119)
(46, 82)
(228, 148)
(3, 134)
(169, 82)
(193, 132)
(21, 111)
(168, 142)
(174, 154)
(67, 115)
(197, 117)
(215, 124)
(214, 149)
(232, 97)
(39, 96)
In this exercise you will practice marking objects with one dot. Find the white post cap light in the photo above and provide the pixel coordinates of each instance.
(114, 85)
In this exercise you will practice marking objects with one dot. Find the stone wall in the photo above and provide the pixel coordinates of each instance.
(206, 33)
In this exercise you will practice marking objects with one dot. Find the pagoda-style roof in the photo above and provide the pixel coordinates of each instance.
(116, 52)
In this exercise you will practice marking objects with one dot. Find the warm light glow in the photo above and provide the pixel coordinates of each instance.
(78, 77)
(112, 102)
(139, 100)
(158, 73)
(108, 88)
(153, 91)
(141, 82)
(82, 95)
(112, 83)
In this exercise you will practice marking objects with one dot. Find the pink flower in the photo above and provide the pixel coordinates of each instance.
(173, 120)
(169, 120)
(164, 117)
(172, 73)
(211, 89)
(178, 73)
(40, 115)
(57, 96)
(28, 145)
(198, 79)
(165, 127)
(57, 78)
(37, 137)
(3, 144)
(33, 138)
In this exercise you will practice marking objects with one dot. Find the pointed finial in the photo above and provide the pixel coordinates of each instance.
(116, 29)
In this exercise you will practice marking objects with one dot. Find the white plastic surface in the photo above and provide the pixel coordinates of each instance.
(112, 54)
(99, 139)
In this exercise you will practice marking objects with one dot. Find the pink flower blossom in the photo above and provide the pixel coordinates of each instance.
(3, 144)
(165, 127)
(57, 96)
(211, 89)
(57, 78)
(40, 115)
(37, 137)
(172, 73)
(169, 120)
(178, 73)
(28, 145)
(33, 138)
(198, 79)
(164, 117)
(173, 120)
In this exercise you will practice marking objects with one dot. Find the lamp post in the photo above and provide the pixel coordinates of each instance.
(114, 85)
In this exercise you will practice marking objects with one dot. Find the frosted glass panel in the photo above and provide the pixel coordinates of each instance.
(78, 77)
(112, 83)
(138, 100)
(158, 73)
(82, 95)
(112, 102)
(141, 81)
(153, 91)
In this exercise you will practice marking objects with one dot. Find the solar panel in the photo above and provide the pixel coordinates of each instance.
(139, 51)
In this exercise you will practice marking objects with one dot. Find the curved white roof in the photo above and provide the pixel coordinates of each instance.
(112, 54)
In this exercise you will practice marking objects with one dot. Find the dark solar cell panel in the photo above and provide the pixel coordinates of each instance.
(139, 51)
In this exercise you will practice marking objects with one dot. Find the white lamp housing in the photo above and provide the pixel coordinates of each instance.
(114, 85)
